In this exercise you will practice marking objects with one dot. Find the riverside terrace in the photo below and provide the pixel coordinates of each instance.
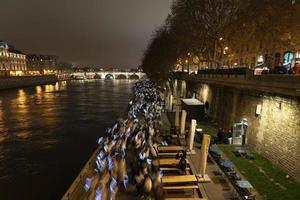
(282, 84)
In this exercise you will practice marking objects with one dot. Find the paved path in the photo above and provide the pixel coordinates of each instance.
(219, 188)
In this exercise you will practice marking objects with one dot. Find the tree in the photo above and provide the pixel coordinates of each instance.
(214, 29)
(159, 57)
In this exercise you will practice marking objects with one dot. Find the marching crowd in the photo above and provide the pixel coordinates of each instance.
(130, 142)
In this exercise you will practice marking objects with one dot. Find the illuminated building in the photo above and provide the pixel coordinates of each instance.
(254, 55)
(38, 64)
(12, 61)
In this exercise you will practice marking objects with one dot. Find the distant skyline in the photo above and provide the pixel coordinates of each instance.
(106, 33)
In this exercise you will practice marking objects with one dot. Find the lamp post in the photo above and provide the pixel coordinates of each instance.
(188, 62)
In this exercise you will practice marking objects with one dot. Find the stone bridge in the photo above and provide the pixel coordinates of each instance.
(109, 75)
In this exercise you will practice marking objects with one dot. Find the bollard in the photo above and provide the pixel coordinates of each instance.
(182, 123)
(177, 117)
(171, 102)
(204, 153)
(192, 134)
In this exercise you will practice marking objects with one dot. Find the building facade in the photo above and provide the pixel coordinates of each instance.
(260, 54)
(38, 64)
(12, 61)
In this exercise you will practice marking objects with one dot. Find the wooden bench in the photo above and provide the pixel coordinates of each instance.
(170, 148)
(180, 187)
(172, 168)
(179, 179)
(172, 183)
(172, 154)
(169, 161)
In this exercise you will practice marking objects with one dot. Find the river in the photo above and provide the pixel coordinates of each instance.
(47, 133)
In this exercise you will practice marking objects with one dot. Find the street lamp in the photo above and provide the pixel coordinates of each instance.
(188, 61)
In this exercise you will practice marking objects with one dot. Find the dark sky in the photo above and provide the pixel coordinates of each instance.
(94, 32)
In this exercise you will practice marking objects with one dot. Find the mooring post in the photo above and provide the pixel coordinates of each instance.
(182, 124)
(204, 153)
(177, 117)
(171, 103)
(192, 134)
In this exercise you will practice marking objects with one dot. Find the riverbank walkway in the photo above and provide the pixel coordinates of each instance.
(171, 172)
(218, 189)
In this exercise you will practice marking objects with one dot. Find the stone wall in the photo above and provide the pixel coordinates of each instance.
(275, 133)
(25, 81)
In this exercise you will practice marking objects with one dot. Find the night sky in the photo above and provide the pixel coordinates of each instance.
(85, 32)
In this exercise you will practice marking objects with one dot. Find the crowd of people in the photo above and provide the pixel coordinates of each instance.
(127, 149)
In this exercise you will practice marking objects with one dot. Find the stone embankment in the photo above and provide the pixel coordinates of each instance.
(25, 81)
(273, 116)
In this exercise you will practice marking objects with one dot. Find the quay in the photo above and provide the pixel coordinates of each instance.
(25, 81)
(214, 185)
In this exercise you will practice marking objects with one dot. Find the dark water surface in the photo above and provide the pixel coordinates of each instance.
(47, 133)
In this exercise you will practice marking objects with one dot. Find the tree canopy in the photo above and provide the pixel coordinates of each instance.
(205, 28)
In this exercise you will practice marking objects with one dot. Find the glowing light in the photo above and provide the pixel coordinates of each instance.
(260, 59)
(38, 89)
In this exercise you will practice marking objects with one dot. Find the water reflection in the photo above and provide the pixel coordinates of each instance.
(48, 132)
(21, 99)
(3, 128)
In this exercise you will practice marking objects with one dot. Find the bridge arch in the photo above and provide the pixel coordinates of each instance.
(134, 77)
(109, 77)
(121, 76)
(98, 76)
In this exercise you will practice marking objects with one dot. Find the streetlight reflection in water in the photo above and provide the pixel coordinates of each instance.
(43, 127)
